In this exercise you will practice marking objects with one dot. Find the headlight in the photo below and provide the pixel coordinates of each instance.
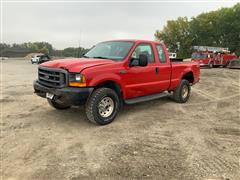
(78, 77)
(77, 80)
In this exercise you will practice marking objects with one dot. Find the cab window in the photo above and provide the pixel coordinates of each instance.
(143, 49)
(161, 53)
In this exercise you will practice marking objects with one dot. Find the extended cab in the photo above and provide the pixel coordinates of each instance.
(114, 73)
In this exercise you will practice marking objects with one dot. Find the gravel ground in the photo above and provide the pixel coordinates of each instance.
(153, 140)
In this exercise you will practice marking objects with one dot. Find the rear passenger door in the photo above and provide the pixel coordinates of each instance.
(164, 75)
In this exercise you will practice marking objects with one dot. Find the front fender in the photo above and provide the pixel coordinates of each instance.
(101, 78)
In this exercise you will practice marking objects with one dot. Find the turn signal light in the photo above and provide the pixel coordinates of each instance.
(81, 83)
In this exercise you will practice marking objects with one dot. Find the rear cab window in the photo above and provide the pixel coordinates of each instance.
(161, 54)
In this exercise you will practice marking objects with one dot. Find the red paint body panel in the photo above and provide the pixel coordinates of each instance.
(228, 57)
(180, 69)
(134, 81)
(76, 64)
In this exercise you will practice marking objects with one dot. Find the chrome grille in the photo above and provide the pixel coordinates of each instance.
(52, 77)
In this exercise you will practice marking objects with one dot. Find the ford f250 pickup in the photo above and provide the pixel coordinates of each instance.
(112, 74)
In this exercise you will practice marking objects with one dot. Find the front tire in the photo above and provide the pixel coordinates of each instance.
(211, 64)
(102, 106)
(58, 105)
(183, 91)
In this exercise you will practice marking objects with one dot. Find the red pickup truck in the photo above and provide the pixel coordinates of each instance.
(114, 73)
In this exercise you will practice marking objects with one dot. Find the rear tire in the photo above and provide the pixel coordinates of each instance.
(182, 93)
(102, 106)
(58, 105)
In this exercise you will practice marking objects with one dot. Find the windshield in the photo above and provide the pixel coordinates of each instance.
(199, 55)
(115, 50)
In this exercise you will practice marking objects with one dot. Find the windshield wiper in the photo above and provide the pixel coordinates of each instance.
(85, 56)
(100, 57)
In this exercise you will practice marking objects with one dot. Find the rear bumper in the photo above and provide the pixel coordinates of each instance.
(67, 95)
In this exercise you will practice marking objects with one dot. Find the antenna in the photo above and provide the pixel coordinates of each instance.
(79, 44)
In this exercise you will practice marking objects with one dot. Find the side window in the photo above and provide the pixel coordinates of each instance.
(161, 53)
(144, 49)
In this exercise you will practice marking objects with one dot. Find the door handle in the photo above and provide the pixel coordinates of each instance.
(157, 70)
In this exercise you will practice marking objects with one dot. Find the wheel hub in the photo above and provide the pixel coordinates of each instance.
(106, 107)
(185, 92)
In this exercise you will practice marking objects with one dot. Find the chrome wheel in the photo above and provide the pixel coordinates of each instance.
(185, 91)
(106, 107)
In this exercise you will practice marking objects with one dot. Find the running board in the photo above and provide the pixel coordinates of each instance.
(146, 98)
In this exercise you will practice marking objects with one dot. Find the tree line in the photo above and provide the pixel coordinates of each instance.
(45, 48)
(219, 28)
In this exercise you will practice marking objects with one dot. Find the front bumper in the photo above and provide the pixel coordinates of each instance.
(67, 95)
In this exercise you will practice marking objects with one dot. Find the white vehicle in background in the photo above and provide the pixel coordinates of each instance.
(36, 58)
(172, 55)
(3, 58)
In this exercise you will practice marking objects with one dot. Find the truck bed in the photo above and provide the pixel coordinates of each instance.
(180, 68)
(176, 59)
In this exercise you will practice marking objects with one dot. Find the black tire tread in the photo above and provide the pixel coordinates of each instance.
(92, 100)
(177, 92)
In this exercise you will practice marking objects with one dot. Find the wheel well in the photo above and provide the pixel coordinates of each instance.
(189, 76)
(112, 85)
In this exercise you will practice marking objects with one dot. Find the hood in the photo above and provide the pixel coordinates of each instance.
(76, 65)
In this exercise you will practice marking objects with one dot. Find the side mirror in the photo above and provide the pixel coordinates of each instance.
(143, 60)
(134, 62)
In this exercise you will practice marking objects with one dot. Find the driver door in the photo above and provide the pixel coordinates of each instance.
(139, 80)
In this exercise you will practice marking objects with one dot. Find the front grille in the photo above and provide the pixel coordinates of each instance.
(52, 77)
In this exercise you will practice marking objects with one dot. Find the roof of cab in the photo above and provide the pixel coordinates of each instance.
(134, 40)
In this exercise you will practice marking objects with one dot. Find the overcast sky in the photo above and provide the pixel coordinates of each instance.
(66, 24)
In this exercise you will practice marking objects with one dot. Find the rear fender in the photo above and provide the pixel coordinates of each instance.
(186, 71)
(175, 83)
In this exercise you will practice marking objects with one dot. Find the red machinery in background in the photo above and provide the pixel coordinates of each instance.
(212, 56)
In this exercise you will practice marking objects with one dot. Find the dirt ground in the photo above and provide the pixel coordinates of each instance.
(153, 140)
